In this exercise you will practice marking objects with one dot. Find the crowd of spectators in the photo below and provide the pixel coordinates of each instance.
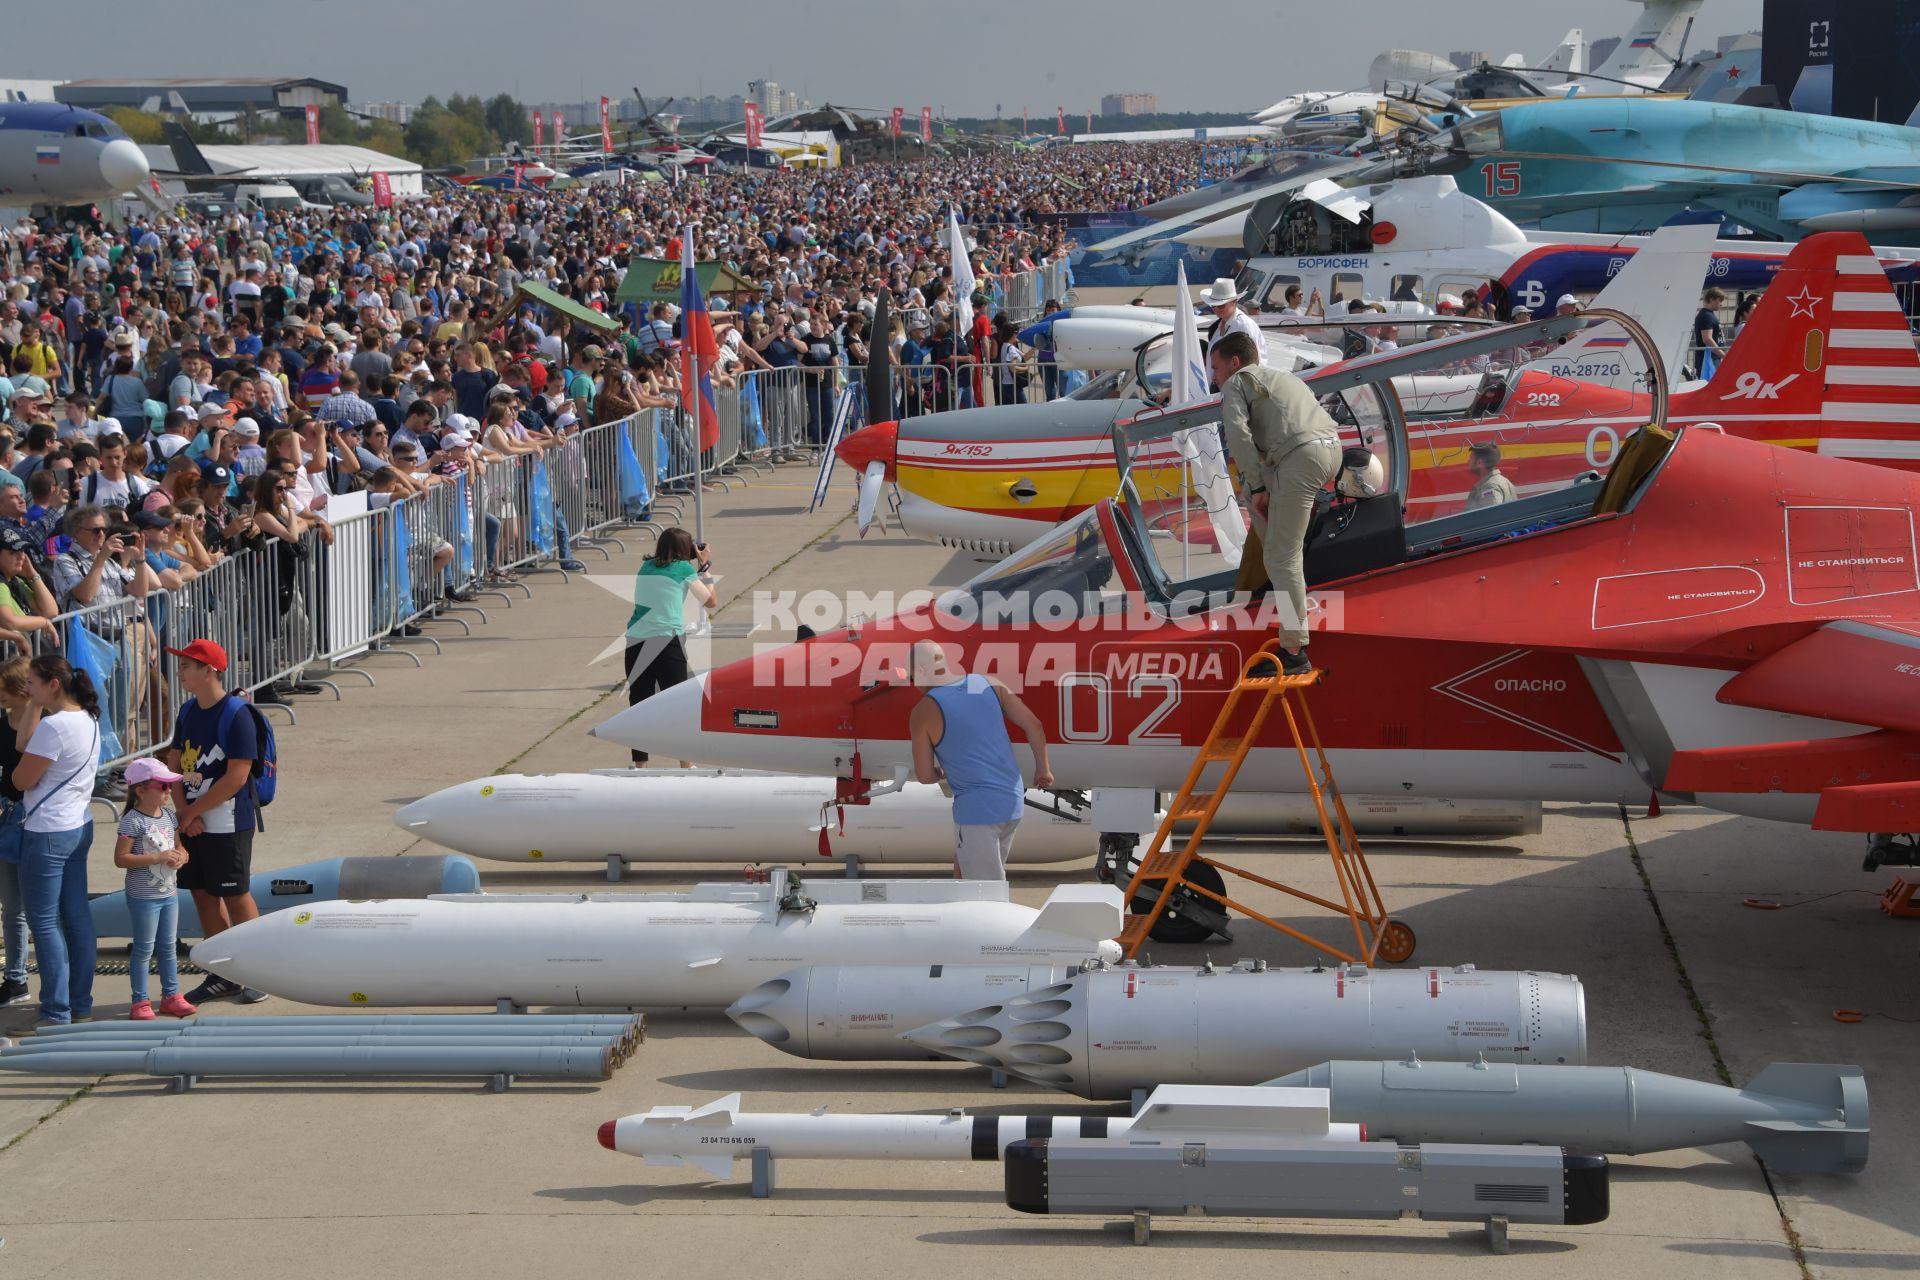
(186, 386)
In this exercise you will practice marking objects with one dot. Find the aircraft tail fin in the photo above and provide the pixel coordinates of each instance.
(1655, 287)
(1651, 46)
(1827, 356)
(186, 152)
(1570, 59)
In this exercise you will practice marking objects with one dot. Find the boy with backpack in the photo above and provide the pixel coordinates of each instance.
(224, 750)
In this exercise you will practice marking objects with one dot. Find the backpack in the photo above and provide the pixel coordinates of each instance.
(264, 778)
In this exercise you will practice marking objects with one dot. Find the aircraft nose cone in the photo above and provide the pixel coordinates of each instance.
(122, 165)
(876, 443)
(666, 724)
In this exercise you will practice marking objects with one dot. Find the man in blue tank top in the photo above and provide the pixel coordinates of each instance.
(960, 734)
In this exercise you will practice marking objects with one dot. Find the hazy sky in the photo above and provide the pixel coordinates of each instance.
(1214, 54)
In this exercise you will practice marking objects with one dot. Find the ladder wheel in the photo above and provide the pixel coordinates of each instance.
(1173, 928)
(1396, 942)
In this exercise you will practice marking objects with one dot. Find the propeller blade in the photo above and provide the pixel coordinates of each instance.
(871, 483)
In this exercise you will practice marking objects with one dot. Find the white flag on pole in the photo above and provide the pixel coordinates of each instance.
(1206, 460)
(963, 285)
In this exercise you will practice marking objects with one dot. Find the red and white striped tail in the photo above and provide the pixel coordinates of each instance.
(1826, 362)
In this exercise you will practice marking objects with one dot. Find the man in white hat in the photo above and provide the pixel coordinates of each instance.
(1224, 299)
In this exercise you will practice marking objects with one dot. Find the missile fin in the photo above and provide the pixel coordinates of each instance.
(718, 1165)
(721, 1111)
(1837, 1145)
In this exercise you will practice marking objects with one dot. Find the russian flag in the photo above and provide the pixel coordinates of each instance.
(1607, 342)
(698, 350)
(1643, 42)
(47, 155)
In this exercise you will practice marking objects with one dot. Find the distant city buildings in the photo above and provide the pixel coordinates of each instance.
(1130, 104)
(400, 113)
(775, 101)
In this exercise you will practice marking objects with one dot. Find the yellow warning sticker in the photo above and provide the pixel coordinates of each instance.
(535, 853)
(486, 791)
(303, 917)
(357, 997)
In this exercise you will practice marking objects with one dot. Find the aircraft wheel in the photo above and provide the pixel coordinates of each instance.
(1175, 927)
(1396, 942)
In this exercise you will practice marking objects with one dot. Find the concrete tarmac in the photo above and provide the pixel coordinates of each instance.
(116, 1176)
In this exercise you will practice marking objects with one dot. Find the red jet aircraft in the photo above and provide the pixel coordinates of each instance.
(1715, 618)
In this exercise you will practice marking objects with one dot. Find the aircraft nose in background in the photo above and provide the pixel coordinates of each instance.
(122, 165)
(667, 724)
(876, 443)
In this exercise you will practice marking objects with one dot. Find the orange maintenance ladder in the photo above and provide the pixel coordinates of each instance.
(1164, 874)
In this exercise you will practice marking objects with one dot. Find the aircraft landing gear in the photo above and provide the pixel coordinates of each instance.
(1891, 849)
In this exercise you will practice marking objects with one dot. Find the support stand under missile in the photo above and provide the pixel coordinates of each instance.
(762, 1172)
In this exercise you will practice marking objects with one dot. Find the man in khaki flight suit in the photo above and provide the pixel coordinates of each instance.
(1288, 450)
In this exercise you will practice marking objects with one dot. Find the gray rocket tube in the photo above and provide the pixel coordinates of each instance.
(144, 1044)
(1798, 1117)
(577, 1064)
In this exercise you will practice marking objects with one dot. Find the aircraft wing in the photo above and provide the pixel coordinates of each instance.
(1853, 672)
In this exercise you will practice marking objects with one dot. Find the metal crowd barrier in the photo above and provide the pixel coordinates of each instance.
(303, 610)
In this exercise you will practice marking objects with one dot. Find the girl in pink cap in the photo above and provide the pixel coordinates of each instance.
(149, 850)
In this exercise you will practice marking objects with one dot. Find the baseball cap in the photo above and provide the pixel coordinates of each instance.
(205, 651)
(1567, 300)
(455, 439)
(12, 539)
(247, 429)
(150, 520)
(214, 473)
(149, 770)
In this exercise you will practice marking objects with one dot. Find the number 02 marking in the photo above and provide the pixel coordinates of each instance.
(1073, 726)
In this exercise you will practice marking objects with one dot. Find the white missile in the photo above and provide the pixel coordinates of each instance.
(740, 815)
(708, 815)
(712, 1137)
(701, 948)
(1108, 1031)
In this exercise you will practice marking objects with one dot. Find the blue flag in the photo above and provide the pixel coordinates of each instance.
(634, 493)
(402, 566)
(463, 532)
(752, 432)
(540, 494)
(99, 658)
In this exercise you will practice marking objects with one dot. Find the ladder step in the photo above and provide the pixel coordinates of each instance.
(1194, 808)
(1221, 750)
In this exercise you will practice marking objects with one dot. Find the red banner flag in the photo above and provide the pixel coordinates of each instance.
(382, 190)
(1060, 118)
(559, 130)
(926, 124)
(1089, 122)
(539, 132)
(753, 124)
(313, 124)
(1024, 131)
(606, 128)
(899, 113)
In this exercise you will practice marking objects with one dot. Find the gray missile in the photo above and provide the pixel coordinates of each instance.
(1798, 1117)
(146, 1044)
(1109, 1031)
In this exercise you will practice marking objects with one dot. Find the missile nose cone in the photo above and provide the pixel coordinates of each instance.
(606, 1134)
(876, 443)
(666, 724)
(416, 817)
(122, 165)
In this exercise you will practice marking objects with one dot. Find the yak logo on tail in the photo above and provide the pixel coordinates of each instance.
(1752, 386)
